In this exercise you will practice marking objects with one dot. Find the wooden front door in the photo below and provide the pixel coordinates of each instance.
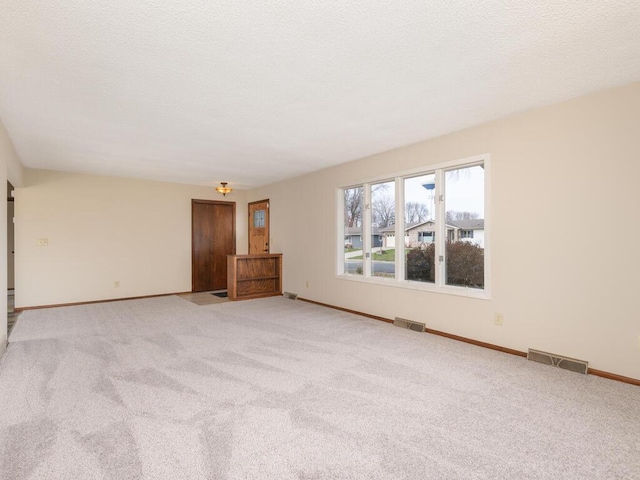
(259, 227)
(213, 237)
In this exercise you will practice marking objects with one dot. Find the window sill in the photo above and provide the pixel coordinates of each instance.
(424, 287)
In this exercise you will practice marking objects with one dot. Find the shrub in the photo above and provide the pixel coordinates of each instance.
(465, 264)
(420, 264)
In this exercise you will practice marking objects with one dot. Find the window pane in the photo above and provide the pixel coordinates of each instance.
(353, 198)
(419, 239)
(464, 203)
(383, 219)
(258, 218)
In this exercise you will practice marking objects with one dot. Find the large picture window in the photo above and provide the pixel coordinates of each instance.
(422, 229)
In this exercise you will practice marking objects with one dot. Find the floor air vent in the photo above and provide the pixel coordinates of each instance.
(410, 324)
(290, 296)
(571, 364)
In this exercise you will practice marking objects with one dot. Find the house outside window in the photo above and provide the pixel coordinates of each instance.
(418, 229)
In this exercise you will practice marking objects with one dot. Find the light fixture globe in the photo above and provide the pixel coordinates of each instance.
(224, 189)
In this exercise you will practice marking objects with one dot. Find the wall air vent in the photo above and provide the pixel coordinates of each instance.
(571, 364)
(410, 324)
(290, 296)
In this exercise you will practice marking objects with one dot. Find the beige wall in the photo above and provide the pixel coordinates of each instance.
(571, 288)
(10, 169)
(105, 229)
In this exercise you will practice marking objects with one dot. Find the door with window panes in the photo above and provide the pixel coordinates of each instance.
(259, 227)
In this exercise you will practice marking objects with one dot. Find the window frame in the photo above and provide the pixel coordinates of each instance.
(440, 230)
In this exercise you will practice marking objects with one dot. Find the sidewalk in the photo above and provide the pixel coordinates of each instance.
(358, 253)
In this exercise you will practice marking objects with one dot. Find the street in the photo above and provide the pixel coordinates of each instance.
(351, 266)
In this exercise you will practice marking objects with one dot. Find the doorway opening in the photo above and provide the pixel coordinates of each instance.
(12, 315)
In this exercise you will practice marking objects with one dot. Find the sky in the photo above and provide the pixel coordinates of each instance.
(464, 190)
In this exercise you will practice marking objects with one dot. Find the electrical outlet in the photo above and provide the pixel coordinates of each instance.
(116, 284)
(498, 319)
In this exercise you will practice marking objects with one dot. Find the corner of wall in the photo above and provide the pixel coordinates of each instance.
(15, 170)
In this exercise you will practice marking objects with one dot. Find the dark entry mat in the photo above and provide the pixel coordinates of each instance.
(220, 294)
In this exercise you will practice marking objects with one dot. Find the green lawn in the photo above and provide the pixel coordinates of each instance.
(386, 255)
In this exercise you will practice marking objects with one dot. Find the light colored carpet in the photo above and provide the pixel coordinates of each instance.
(280, 389)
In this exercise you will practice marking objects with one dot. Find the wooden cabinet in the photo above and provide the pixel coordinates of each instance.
(254, 276)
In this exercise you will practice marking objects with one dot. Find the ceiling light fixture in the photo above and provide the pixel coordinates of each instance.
(224, 189)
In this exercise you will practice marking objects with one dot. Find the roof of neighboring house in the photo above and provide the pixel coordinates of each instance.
(411, 226)
(358, 231)
(408, 226)
(474, 224)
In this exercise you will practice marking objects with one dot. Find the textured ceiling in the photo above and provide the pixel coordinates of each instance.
(251, 92)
